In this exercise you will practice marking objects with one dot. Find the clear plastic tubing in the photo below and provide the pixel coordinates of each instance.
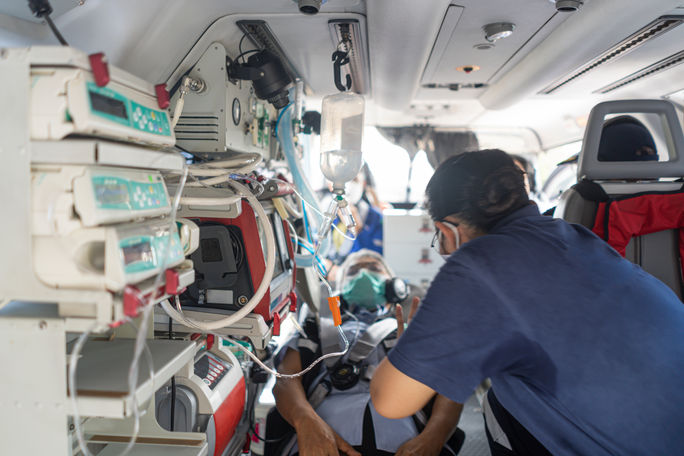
(342, 121)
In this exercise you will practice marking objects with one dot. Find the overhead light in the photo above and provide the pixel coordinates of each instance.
(567, 6)
(498, 30)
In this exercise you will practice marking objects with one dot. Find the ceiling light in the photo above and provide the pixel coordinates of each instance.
(484, 46)
(567, 6)
(498, 30)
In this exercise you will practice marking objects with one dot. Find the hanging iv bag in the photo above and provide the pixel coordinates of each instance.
(342, 120)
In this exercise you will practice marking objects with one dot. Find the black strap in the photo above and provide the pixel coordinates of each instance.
(368, 442)
(591, 191)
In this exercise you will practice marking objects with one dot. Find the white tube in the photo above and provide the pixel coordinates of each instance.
(178, 110)
(221, 201)
(262, 218)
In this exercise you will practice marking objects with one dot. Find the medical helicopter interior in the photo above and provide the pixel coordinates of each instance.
(166, 164)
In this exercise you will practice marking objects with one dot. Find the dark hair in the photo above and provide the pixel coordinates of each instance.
(479, 188)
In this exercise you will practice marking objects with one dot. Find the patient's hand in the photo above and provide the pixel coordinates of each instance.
(316, 438)
(399, 312)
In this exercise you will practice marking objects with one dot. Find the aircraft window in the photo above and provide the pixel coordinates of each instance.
(557, 168)
(392, 170)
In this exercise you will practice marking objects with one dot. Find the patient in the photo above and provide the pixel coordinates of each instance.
(330, 408)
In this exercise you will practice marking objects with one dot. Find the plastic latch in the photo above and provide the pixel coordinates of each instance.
(172, 282)
(162, 96)
(210, 341)
(276, 324)
(98, 64)
(334, 304)
(131, 301)
(293, 302)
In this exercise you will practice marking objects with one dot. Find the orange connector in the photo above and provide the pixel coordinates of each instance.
(334, 303)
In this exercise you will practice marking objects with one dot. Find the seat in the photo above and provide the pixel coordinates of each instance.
(602, 184)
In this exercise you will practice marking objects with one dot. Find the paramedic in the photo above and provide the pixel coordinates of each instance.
(345, 420)
(583, 347)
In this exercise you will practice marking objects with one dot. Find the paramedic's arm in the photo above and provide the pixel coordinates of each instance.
(395, 394)
(440, 426)
(314, 436)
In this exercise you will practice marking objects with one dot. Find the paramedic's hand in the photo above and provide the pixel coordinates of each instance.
(400, 315)
(421, 445)
(316, 438)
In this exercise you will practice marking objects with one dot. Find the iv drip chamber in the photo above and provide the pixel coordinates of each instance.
(342, 119)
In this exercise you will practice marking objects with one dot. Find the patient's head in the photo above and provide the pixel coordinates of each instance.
(362, 278)
(624, 138)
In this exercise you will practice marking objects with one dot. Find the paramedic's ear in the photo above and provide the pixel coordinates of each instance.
(451, 237)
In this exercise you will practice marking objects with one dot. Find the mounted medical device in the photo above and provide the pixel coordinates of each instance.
(209, 397)
(98, 227)
(230, 262)
(72, 93)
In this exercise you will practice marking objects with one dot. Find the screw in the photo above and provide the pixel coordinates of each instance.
(42, 324)
(242, 300)
(72, 427)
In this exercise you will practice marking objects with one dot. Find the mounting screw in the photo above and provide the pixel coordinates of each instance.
(72, 427)
(242, 300)
(42, 324)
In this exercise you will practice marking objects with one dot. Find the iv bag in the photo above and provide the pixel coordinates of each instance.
(342, 121)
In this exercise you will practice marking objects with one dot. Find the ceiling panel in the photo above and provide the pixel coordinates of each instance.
(462, 29)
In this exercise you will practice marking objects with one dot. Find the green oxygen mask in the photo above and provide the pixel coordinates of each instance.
(366, 289)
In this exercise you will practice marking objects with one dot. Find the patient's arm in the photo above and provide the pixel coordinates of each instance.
(314, 436)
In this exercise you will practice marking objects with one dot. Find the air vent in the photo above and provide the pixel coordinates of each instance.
(262, 37)
(198, 133)
(651, 31)
(349, 33)
(455, 86)
(657, 67)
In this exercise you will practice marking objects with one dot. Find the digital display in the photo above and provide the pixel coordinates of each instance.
(211, 250)
(138, 253)
(111, 193)
(108, 105)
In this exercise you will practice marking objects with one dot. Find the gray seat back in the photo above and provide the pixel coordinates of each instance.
(657, 253)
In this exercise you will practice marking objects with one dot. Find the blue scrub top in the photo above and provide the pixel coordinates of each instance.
(584, 348)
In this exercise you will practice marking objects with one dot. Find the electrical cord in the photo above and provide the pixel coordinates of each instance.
(172, 420)
(55, 31)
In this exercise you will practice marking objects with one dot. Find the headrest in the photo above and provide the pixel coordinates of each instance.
(623, 148)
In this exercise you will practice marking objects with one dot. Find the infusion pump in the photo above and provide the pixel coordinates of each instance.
(69, 96)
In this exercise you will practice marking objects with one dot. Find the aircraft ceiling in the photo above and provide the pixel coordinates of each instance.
(409, 45)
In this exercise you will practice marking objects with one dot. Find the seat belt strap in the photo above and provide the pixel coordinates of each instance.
(374, 335)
